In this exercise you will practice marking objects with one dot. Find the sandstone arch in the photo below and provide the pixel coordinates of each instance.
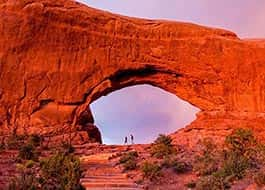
(57, 56)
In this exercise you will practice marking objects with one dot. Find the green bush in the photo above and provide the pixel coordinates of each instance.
(241, 146)
(205, 166)
(241, 141)
(28, 152)
(29, 164)
(235, 165)
(206, 163)
(259, 178)
(211, 183)
(67, 148)
(61, 172)
(151, 171)
(129, 160)
(162, 147)
(34, 140)
(23, 182)
(177, 166)
(130, 165)
(27, 180)
(128, 156)
(180, 167)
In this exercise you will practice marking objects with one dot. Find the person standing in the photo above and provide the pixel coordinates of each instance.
(132, 139)
(126, 140)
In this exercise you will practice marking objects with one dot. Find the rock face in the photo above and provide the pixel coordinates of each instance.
(58, 56)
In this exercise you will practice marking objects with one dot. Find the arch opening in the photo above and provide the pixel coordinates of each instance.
(142, 110)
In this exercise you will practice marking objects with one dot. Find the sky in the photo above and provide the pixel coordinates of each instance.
(147, 111)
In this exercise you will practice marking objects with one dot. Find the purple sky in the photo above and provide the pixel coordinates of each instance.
(147, 111)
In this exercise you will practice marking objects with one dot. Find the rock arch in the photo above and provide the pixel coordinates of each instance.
(57, 56)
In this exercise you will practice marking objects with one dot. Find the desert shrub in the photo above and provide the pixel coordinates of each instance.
(162, 147)
(203, 168)
(206, 163)
(211, 183)
(27, 180)
(128, 156)
(34, 140)
(241, 141)
(180, 167)
(151, 171)
(177, 166)
(239, 154)
(29, 163)
(130, 165)
(28, 152)
(235, 165)
(67, 148)
(129, 160)
(23, 182)
(61, 171)
(259, 178)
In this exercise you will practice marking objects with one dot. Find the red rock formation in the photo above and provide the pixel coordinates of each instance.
(58, 56)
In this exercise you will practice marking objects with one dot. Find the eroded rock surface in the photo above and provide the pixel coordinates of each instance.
(58, 56)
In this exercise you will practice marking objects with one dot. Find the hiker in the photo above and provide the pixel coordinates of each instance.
(126, 140)
(132, 139)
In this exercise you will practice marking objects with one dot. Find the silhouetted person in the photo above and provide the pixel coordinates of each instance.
(132, 138)
(126, 140)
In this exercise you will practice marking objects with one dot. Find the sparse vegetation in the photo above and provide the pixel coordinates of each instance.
(237, 157)
(130, 165)
(151, 171)
(129, 160)
(217, 167)
(67, 147)
(35, 140)
(211, 182)
(235, 165)
(206, 162)
(27, 179)
(61, 171)
(241, 141)
(177, 166)
(28, 152)
(162, 147)
(128, 156)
